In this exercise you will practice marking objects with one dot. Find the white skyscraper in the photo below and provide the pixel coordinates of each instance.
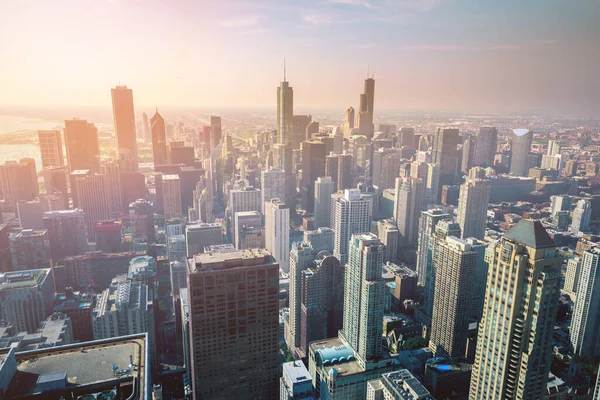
(581, 216)
(572, 275)
(198, 236)
(324, 188)
(473, 203)
(171, 189)
(272, 185)
(520, 144)
(585, 322)
(427, 223)
(407, 205)
(277, 232)
(244, 199)
(350, 214)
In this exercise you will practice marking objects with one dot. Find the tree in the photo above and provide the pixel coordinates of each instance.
(413, 343)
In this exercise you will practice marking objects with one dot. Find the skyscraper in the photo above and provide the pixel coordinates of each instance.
(344, 172)
(112, 176)
(67, 233)
(141, 219)
(572, 276)
(272, 185)
(364, 291)
(445, 153)
(408, 201)
(301, 122)
(313, 166)
(277, 232)
(216, 131)
(124, 120)
(285, 112)
(485, 146)
(18, 181)
(244, 199)
(468, 154)
(581, 216)
(159, 139)
(427, 224)
(452, 300)
(387, 232)
(350, 214)
(320, 239)
(324, 188)
(349, 124)
(385, 166)
(520, 144)
(146, 132)
(200, 235)
(241, 334)
(585, 322)
(171, 196)
(81, 142)
(51, 149)
(514, 343)
(245, 220)
(473, 203)
(30, 249)
(93, 199)
(365, 113)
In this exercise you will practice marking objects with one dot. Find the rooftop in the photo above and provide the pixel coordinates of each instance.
(232, 259)
(17, 279)
(530, 233)
(91, 363)
(296, 371)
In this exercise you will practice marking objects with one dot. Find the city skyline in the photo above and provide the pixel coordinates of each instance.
(423, 58)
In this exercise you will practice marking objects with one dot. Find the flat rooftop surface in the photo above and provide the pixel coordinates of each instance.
(84, 364)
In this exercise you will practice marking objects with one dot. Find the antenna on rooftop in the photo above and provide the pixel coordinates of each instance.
(284, 69)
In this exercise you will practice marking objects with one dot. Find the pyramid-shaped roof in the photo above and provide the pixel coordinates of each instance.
(530, 233)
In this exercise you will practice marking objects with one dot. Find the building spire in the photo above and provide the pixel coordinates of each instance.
(284, 70)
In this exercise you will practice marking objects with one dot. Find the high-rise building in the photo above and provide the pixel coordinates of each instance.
(473, 203)
(321, 302)
(320, 239)
(277, 232)
(364, 297)
(301, 122)
(443, 229)
(30, 250)
(408, 201)
(313, 166)
(141, 219)
(55, 181)
(406, 137)
(397, 385)
(171, 196)
(241, 334)
(108, 236)
(31, 213)
(26, 298)
(285, 112)
(585, 321)
(272, 185)
(349, 123)
(572, 276)
(570, 169)
(67, 233)
(244, 199)
(581, 216)
(427, 223)
(51, 148)
(350, 214)
(385, 166)
(324, 188)
(176, 247)
(159, 139)
(344, 172)
(468, 154)
(485, 146)
(93, 199)
(200, 235)
(445, 153)
(387, 231)
(18, 181)
(432, 185)
(243, 220)
(124, 120)
(112, 177)
(514, 343)
(301, 257)
(216, 131)
(520, 144)
(365, 113)
(453, 298)
(81, 143)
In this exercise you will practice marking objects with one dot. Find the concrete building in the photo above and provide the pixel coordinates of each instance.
(520, 144)
(141, 219)
(445, 153)
(389, 235)
(585, 321)
(159, 139)
(320, 239)
(350, 214)
(295, 384)
(93, 199)
(171, 196)
(79, 308)
(111, 173)
(581, 217)
(277, 232)
(572, 275)
(176, 249)
(408, 201)
(243, 220)
(18, 181)
(198, 236)
(473, 203)
(30, 249)
(81, 143)
(525, 272)
(26, 298)
(272, 186)
(244, 199)
(452, 300)
(313, 167)
(324, 188)
(108, 236)
(427, 223)
(67, 233)
(485, 146)
(248, 343)
(397, 385)
(124, 121)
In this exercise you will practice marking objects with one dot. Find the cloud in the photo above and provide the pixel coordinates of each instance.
(241, 22)
(318, 19)
(361, 3)
(457, 47)
(253, 32)
(363, 45)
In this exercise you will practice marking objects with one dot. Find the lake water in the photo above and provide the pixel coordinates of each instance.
(11, 124)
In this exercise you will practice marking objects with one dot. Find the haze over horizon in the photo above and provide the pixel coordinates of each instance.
(425, 54)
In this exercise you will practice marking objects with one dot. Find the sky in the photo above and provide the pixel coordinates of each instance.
(465, 55)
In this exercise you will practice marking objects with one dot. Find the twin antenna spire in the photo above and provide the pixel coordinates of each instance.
(284, 70)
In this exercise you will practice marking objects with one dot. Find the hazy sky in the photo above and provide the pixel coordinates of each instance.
(469, 55)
